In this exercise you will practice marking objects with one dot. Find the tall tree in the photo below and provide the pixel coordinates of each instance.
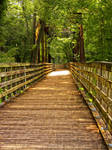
(17, 30)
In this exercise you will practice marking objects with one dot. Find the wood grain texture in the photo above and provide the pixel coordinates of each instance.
(49, 116)
(96, 78)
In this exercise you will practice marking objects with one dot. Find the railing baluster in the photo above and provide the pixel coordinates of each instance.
(15, 78)
(97, 79)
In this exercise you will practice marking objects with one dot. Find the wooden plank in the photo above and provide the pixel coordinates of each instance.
(50, 115)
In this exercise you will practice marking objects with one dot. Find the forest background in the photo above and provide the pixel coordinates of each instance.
(17, 29)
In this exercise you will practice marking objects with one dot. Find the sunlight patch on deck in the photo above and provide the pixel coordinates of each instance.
(59, 73)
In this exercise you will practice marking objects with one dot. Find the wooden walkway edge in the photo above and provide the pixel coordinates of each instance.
(51, 115)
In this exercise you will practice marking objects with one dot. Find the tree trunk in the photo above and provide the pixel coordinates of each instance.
(38, 38)
(25, 17)
(49, 58)
(34, 27)
(82, 52)
(46, 50)
(38, 52)
(43, 43)
(33, 36)
(76, 49)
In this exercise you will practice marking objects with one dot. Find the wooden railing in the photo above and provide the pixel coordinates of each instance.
(96, 78)
(15, 78)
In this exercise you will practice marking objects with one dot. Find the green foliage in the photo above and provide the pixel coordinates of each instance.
(16, 36)
(0, 101)
(81, 89)
(1, 90)
(21, 91)
(16, 26)
(61, 49)
(9, 56)
(98, 37)
(3, 6)
(34, 47)
(90, 99)
(7, 97)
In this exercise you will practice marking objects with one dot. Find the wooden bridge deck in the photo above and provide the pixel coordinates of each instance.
(49, 116)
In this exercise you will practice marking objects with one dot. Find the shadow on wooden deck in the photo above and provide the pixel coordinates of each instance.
(51, 115)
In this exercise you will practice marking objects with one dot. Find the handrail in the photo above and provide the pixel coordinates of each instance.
(96, 78)
(17, 77)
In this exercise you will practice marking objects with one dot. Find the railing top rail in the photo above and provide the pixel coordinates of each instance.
(100, 62)
(95, 62)
(102, 65)
(20, 64)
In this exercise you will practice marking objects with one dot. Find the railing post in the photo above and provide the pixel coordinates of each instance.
(15, 78)
(97, 80)
(25, 75)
